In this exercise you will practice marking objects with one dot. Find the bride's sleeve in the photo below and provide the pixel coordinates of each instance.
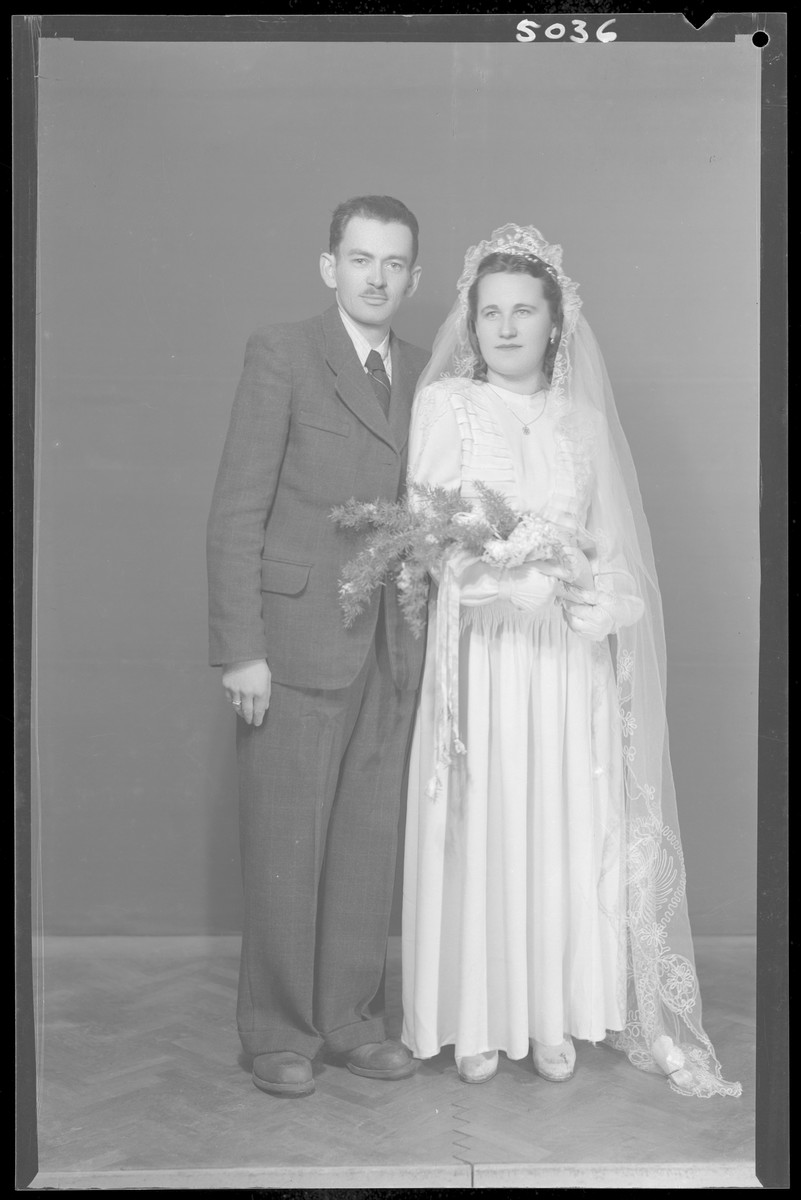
(614, 582)
(435, 441)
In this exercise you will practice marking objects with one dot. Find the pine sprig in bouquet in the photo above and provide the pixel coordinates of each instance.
(406, 541)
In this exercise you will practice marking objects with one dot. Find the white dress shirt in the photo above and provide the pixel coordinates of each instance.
(363, 347)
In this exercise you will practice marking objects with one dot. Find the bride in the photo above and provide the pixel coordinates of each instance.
(544, 880)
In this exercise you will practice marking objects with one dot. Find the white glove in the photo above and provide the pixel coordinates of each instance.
(591, 621)
(611, 610)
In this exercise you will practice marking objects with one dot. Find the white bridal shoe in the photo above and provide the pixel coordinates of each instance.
(477, 1068)
(555, 1063)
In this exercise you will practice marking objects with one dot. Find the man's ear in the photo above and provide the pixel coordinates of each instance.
(327, 264)
(411, 286)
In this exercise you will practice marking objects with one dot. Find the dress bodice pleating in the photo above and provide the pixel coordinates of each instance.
(474, 437)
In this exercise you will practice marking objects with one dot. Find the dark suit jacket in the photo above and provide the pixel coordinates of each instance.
(306, 433)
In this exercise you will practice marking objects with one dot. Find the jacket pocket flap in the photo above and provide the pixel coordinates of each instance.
(285, 577)
(319, 420)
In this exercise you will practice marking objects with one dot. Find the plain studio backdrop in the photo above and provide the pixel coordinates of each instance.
(185, 196)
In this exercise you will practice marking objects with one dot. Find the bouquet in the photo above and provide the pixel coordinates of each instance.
(406, 541)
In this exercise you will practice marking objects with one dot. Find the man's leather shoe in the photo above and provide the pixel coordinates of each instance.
(283, 1073)
(381, 1060)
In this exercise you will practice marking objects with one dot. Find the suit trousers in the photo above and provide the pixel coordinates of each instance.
(320, 789)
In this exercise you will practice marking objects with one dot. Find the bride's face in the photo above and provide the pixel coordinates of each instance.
(513, 325)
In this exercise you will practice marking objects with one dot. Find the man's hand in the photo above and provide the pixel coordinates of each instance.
(247, 686)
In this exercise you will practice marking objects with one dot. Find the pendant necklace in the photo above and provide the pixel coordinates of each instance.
(526, 424)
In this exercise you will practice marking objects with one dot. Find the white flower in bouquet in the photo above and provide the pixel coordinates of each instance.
(532, 540)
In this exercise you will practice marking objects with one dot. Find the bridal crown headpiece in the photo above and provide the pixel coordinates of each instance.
(525, 240)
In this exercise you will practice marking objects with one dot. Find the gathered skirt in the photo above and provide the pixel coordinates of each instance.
(514, 875)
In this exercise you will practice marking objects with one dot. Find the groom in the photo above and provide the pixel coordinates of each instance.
(321, 415)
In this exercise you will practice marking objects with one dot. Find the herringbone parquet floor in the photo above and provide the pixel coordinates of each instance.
(141, 1079)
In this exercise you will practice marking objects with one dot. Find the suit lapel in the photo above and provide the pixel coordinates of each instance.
(353, 387)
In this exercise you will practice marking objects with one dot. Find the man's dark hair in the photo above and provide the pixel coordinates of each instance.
(375, 208)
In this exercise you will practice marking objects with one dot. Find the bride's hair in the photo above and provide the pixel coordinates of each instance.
(501, 263)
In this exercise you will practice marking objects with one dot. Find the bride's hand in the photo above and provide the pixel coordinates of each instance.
(573, 568)
(621, 608)
(590, 620)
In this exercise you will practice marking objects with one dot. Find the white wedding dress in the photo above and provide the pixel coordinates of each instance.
(514, 881)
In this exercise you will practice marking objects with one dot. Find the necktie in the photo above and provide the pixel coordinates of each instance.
(379, 379)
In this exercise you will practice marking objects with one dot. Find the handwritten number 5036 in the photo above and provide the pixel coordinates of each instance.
(527, 31)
